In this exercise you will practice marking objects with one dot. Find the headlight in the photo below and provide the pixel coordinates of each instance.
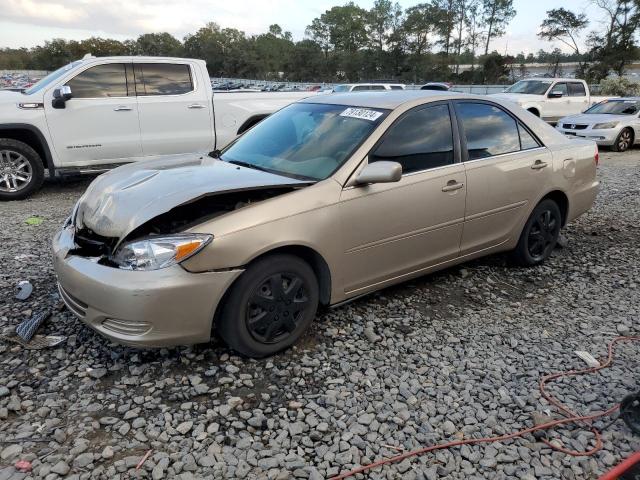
(154, 253)
(601, 126)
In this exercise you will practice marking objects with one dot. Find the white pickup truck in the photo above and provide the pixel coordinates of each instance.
(96, 113)
(550, 98)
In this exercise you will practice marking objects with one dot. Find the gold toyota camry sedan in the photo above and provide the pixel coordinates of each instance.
(328, 199)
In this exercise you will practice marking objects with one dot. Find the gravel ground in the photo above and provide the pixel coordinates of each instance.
(453, 355)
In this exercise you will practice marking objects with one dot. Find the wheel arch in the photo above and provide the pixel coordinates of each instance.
(251, 121)
(562, 200)
(33, 137)
(534, 110)
(316, 261)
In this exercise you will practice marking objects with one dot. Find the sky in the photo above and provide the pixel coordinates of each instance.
(26, 23)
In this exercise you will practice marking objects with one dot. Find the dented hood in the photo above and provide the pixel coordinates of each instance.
(118, 202)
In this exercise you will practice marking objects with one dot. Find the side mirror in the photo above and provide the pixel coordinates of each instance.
(380, 172)
(556, 94)
(60, 96)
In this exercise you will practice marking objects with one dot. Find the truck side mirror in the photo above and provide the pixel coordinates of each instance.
(556, 94)
(60, 96)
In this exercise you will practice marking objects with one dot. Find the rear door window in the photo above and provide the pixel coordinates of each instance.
(100, 81)
(377, 87)
(576, 89)
(489, 131)
(560, 87)
(420, 140)
(163, 78)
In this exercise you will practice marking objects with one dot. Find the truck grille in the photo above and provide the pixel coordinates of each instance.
(77, 307)
(574, 126)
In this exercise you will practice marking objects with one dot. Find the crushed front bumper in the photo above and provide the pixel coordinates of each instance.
(165, 307)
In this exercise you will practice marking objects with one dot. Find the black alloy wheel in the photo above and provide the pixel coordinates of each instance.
(539, 235)
(276, 308)
(543, 235)
(269, 306)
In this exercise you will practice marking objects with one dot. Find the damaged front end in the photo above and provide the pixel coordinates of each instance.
(139, 212)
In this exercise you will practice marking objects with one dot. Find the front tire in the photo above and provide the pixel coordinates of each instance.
(270, 306)
(21, 170)
(539, 235)
(624, 140)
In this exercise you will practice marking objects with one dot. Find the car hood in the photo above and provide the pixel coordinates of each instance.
(516, 97)
(118, 202)
(593, 118)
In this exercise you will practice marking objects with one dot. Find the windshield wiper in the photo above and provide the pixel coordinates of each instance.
(268, 170)
(248, 165)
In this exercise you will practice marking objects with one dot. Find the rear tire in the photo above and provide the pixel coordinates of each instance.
(624, 140)
(21, 170)
(539, 235)
(270, 306)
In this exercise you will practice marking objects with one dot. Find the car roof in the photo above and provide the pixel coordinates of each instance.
(553, 79)
(389, 99)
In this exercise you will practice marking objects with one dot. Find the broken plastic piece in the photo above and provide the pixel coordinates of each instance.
(27, 329)
(588, 358)
(38, 342)
(24, 290)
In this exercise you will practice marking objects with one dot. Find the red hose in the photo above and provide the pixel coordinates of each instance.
(570, 417)
(623, 467)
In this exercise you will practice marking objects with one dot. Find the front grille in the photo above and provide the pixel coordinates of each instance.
(78, 307)
(574, 126)
(126, 327)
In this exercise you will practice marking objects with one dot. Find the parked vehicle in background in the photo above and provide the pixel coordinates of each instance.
(97, 112)
(550, 98)
(440, 86)
(612, 123)
(330, 198)
(363, 87)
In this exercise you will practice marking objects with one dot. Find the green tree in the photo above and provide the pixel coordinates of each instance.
(565, 26)
(615, 47)
(158, 45)
(496, 15)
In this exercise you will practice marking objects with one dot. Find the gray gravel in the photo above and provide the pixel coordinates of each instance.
(453, 355)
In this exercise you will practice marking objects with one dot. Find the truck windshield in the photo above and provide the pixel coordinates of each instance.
(307, 141)
(616, 107)
(52, 77)
(533, 87)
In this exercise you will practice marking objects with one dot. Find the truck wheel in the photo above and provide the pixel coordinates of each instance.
(624, 140)
(21, 170)
(270, 306)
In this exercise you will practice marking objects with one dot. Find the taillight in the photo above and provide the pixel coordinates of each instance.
(596, 158)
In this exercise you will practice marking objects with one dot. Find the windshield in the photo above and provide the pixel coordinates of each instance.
(53, 76)
(308, 141)
(616, 107)
(533, 87)
(341, 88)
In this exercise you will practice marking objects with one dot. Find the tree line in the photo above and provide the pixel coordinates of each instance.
(428, 41)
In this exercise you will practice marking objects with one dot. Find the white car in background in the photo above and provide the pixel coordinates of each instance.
(365, 87)
(612, 123)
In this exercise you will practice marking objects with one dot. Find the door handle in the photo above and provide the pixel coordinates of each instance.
(538, 165)
(452, 185)
(196, 105)
(122, 108)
